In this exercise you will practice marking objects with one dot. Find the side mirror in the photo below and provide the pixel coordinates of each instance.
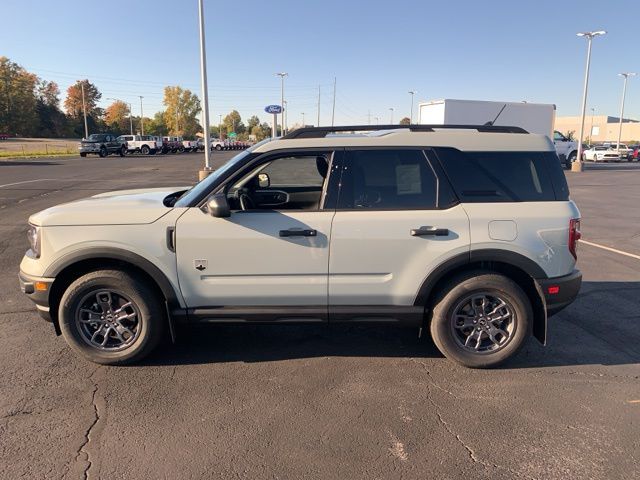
(219, 206)
(263, 180)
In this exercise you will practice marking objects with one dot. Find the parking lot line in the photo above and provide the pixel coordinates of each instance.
(627, 254)
(26, 181)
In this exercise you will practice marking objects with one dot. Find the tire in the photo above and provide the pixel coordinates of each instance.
(572, 158)
(459, 297)
(218, 147)
(123, 151)
(144, 317)
(103, 152)
(145, 150)
(180, 149)
(83, 155)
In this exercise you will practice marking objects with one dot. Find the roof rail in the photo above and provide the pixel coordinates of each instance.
(320, 132)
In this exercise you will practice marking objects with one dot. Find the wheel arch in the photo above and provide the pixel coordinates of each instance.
(70, 268)
(515, 266)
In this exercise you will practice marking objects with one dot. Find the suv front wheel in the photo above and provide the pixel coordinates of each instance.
(111, 317)
(481, 319)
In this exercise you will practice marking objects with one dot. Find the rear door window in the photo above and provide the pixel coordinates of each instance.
(500, 176)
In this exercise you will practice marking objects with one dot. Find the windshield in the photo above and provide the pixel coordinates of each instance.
(95, 137)
(199, 188)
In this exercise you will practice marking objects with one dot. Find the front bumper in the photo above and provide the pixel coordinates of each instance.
(37, 289)
(559, 292)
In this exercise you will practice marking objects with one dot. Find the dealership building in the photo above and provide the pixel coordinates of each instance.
(600, 128)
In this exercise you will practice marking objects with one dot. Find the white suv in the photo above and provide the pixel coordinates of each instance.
(466, 231)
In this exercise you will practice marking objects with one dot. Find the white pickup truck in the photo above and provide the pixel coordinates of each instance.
(144, 144)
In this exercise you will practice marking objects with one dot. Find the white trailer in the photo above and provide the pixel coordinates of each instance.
(533, 117)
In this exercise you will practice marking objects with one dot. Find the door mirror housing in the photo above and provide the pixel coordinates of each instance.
(218, 206)
(263, 180)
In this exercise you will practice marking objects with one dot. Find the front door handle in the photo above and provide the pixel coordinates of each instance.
(298, 232)
(429, 231)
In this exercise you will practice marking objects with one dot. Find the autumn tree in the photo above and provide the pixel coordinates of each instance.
(117, 117)
(73, 102)
(405, 121)
(183, 107)
(17, 99)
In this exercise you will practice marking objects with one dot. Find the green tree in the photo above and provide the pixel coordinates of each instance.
(51, 120)
(17, 99)
(183, 106)
(254, 121)
(405, 121)
(156, 125)
(233, 122)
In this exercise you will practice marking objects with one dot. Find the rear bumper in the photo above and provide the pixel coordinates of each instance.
(559, 292)
(37, 289)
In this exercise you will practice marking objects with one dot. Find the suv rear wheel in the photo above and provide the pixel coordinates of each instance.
(481, 319)
(145, 150)
(111, 317)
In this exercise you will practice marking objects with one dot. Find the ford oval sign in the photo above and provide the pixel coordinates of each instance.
(275, 109)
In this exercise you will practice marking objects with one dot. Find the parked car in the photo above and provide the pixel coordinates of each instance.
(436, 229)
(4, 136)
(172, 144)
(144, 144)
(216, 144)
(190, 145)
(623, 150)
(102, 144)
(633, 154)
(605, 153)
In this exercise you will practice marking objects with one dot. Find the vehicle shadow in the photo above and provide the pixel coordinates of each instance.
(599, 328)
(13, 163)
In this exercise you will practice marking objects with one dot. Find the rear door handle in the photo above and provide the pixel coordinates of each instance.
(298, 232)
(429, 231)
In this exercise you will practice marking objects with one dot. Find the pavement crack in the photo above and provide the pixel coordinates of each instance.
(83, 453)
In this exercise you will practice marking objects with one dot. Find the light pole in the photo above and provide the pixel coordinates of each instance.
(130, 113)
(412, 93)
(84, 111)
(205, 95)
(377, 120)
(282, 75)
(624, 93)
(577, 165)
(220, 126)
(302, 119)
(391, 110)
(141, 116)
(593, 112)
(285, 114)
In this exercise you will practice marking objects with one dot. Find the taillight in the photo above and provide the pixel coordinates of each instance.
(574, 236)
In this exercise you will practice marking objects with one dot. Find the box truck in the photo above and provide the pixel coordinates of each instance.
(533, 117)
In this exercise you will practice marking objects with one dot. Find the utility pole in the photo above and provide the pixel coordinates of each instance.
(177, 123)
(220, 126)
(624, 93)
(368, 117)
(84, 111)
(377, 120)
(130, 118)
(577, 165)
(412, 93)
(282, 75)
(318, 124)
(333, 111)
(205, 95)
(391, 110)
(302, 119)
(141, 116)
(285, 114)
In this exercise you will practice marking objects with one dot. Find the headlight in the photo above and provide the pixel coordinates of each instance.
(33, 235)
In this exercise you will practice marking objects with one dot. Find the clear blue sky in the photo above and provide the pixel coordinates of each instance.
(494, 50)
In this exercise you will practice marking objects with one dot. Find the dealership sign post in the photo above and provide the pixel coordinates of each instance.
(275, 110)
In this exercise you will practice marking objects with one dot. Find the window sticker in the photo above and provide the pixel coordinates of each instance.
(408, 179)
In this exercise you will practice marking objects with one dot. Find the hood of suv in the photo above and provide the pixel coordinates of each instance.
(124, 207)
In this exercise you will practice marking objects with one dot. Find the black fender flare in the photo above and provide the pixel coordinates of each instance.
(504, 257)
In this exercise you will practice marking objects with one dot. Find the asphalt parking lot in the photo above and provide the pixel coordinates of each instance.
(322, 402)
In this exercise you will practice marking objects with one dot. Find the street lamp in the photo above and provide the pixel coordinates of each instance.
(412, 93)
(130, 113)
(624, 93)
(282, 75)
(593, 112)
(577, 165)
(302, 119)
(141, 116)
(391, 110)
(377, 120)
(205, 95)
(285, 113)
(220, 126)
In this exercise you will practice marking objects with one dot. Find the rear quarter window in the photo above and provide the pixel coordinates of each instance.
(504, 176)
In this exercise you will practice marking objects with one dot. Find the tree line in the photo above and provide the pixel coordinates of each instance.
(30, 107)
